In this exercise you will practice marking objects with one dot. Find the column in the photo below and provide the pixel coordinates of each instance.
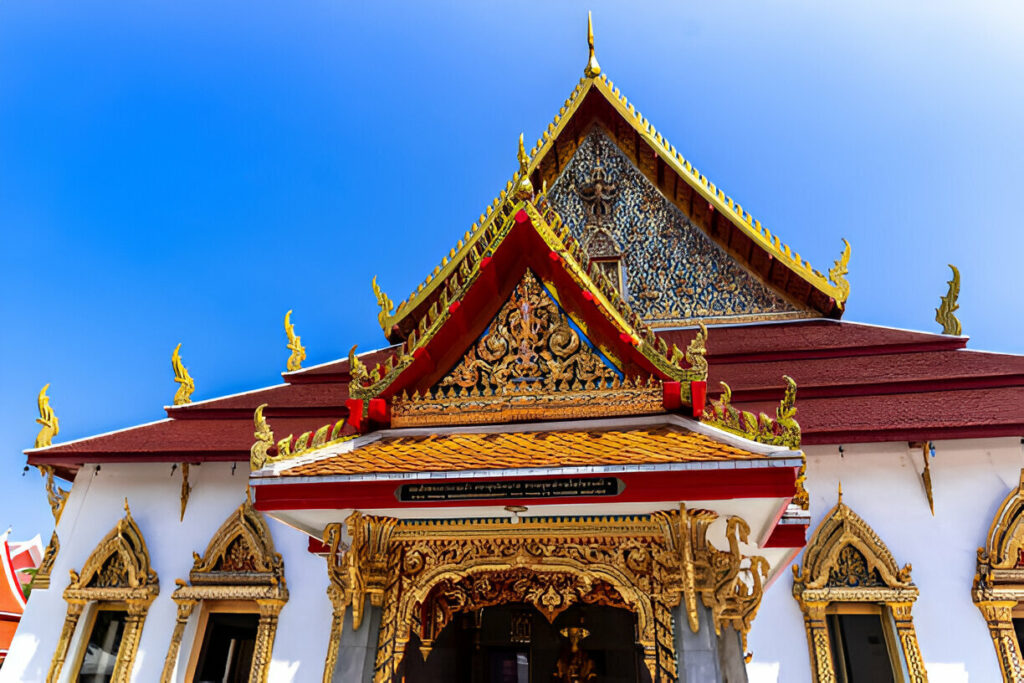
(731, 657)
(130, 640)
(265, 631)
(817, 635)
(64, 642)
(999, 616)
(698, 652)
(170, 662)
(357, 650)
(908, 641)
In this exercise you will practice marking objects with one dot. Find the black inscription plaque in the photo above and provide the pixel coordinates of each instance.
(504, 490)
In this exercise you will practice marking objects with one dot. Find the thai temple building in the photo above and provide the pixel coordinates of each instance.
(621, 433)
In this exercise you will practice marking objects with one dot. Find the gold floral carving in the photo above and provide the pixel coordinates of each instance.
(240, 563)
(49, 424)
(423, 573)
(846, 562)
(784, 430)
(118, 570)
(263, 451)
(41, 580)
(185, 384)
(530, 339)
(945, 313)
(294, 345)
(999, 581)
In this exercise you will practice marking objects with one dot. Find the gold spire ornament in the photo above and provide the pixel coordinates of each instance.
(944, 314)
(524, 188)
(294, 344)
(48, 420)
(184, 393)
(837, 274)
(387, 307)
(593, 69)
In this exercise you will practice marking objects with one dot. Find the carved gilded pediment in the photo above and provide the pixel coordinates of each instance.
(846, 554)
(241, 551)
(121, 560)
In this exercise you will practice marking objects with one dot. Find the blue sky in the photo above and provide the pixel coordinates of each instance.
(189, 171)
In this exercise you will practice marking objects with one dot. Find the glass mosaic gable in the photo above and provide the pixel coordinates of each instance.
(670, 270)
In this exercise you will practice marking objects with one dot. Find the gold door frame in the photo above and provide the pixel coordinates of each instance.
(240, 564)
(117, 571)
(423, 572)
(845, 562)
(999, 581)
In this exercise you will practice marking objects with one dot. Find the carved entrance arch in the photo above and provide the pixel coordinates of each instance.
(421, 573)
(447, 568)
(999, 581)
(117, 571)
(239, 564)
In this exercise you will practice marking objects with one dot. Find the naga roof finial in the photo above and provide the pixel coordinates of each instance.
(184, 393)
(48, 420)
(294, 345)
(524, 188)
(593, 69)
(945, 313)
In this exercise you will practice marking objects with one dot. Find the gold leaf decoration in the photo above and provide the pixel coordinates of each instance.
(48, 420)
(185, 384)
(294, 345)
(944, 314)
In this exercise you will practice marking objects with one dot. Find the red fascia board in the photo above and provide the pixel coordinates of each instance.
(787, 536)
(768, 482)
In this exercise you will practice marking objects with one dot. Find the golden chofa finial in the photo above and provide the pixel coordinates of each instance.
(944, 314)
(184, 393)
(593, 69)
(387, 307)
(294, 344)
(48, 420)
(524, 188)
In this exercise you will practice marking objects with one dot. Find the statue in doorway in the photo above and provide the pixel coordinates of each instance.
(574, 666)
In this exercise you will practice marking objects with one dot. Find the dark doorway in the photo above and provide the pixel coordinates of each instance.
(860, 649)
(228, 644)
(514, 643)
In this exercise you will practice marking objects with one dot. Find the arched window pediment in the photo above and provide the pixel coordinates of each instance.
(120, 561)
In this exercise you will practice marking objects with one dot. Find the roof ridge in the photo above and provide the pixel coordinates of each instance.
(835, 284)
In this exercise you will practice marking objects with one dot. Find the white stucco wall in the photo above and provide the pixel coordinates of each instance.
(95, 506)
(882, 484)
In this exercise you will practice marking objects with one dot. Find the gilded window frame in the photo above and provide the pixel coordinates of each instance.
(118, 572)
(240, 565)
(998, 588)
(816, 589)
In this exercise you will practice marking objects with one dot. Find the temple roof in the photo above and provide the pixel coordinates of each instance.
(565, 446)
(858, 383)
(596, 101)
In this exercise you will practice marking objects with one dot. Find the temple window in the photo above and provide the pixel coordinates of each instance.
(857, 605)
(998, 589)
(239, 584)
(229, 641)
(113, 591)
(611, 268)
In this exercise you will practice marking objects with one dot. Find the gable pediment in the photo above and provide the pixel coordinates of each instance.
(670, 271)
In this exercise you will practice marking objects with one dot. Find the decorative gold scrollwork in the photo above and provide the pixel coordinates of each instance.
(423, 573)
(948, 306)
(294, 345)
(240, 563)
(845, 561)
(185, 384)
(998, 584)
(784, 430)
(118, 570)
(49, 425)
(837, 274)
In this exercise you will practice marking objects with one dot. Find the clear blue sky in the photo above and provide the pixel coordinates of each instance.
(188, 171)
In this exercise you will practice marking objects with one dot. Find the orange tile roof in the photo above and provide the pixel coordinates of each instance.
(446, 452)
